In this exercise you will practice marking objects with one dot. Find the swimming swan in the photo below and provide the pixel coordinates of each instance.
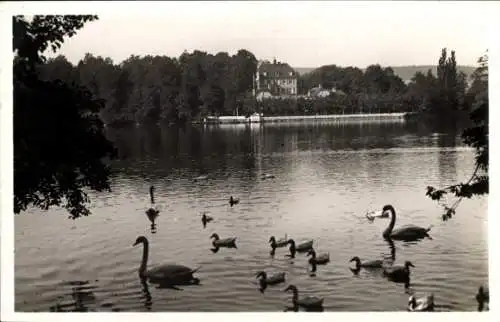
(406, 233)
(172, 274)
(322, 259)
(205, 219)
(233, 201)
(377, 263)
(271, 280)
(422, 304)
(399, 274)
(305, 302)
(226, 242)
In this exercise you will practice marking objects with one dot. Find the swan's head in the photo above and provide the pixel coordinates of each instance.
(387, 210)
(261, 273)
(408, 264)
(291, 287)
(272, 239)
(140, 240)
(214, 235)
(290, 241)
(355, 259)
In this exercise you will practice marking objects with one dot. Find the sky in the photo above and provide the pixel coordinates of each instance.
(303, 34)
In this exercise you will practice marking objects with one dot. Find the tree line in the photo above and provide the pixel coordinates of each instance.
(177, 90)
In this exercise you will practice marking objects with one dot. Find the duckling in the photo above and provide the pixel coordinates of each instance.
(233, 201)
(226, 242)
(272, 280)
(482, 297)
(399, 274)
(307, 302)
(425, 303)
(377, 263)
(205, 219)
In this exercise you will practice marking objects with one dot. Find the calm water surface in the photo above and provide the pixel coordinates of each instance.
(327, 177)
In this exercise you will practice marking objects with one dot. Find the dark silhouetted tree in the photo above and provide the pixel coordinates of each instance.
(476, 137)
(59, 144)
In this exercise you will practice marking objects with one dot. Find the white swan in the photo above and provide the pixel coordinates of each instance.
(171, 274)
(425, 303)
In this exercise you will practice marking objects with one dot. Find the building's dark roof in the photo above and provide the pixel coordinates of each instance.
(283, 70)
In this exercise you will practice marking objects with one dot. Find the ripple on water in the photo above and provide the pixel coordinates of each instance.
(317, 193)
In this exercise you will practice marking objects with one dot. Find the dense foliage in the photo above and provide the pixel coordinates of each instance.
(58, 140)
(160, 88)
(476, 137)
(175, 90)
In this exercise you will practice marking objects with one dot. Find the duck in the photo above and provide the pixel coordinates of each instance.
(274, 279)
(482, 297)
(205, 219)
(167, 274)
(400, 274)
(302, 247)
(322, 259)
(233, 201)
(278, 243)
(406, 233)
(201, 177)
(226, 242)
(425, 303)
(377, 263)
(307, 302)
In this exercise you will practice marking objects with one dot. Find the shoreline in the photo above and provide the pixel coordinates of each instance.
(344, 118)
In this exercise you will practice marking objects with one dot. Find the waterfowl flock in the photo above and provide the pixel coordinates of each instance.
(172, 275)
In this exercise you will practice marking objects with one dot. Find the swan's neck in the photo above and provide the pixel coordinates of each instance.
(295, 296)
(144, 263)
(358, 263)
(388, 230)
(151, 194)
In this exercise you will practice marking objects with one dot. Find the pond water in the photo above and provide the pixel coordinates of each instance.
(326, 178)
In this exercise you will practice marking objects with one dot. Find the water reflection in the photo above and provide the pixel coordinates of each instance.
(215, 149)
(148, 300)
(82, 296)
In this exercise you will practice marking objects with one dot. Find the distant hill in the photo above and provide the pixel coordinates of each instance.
(405, 72)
